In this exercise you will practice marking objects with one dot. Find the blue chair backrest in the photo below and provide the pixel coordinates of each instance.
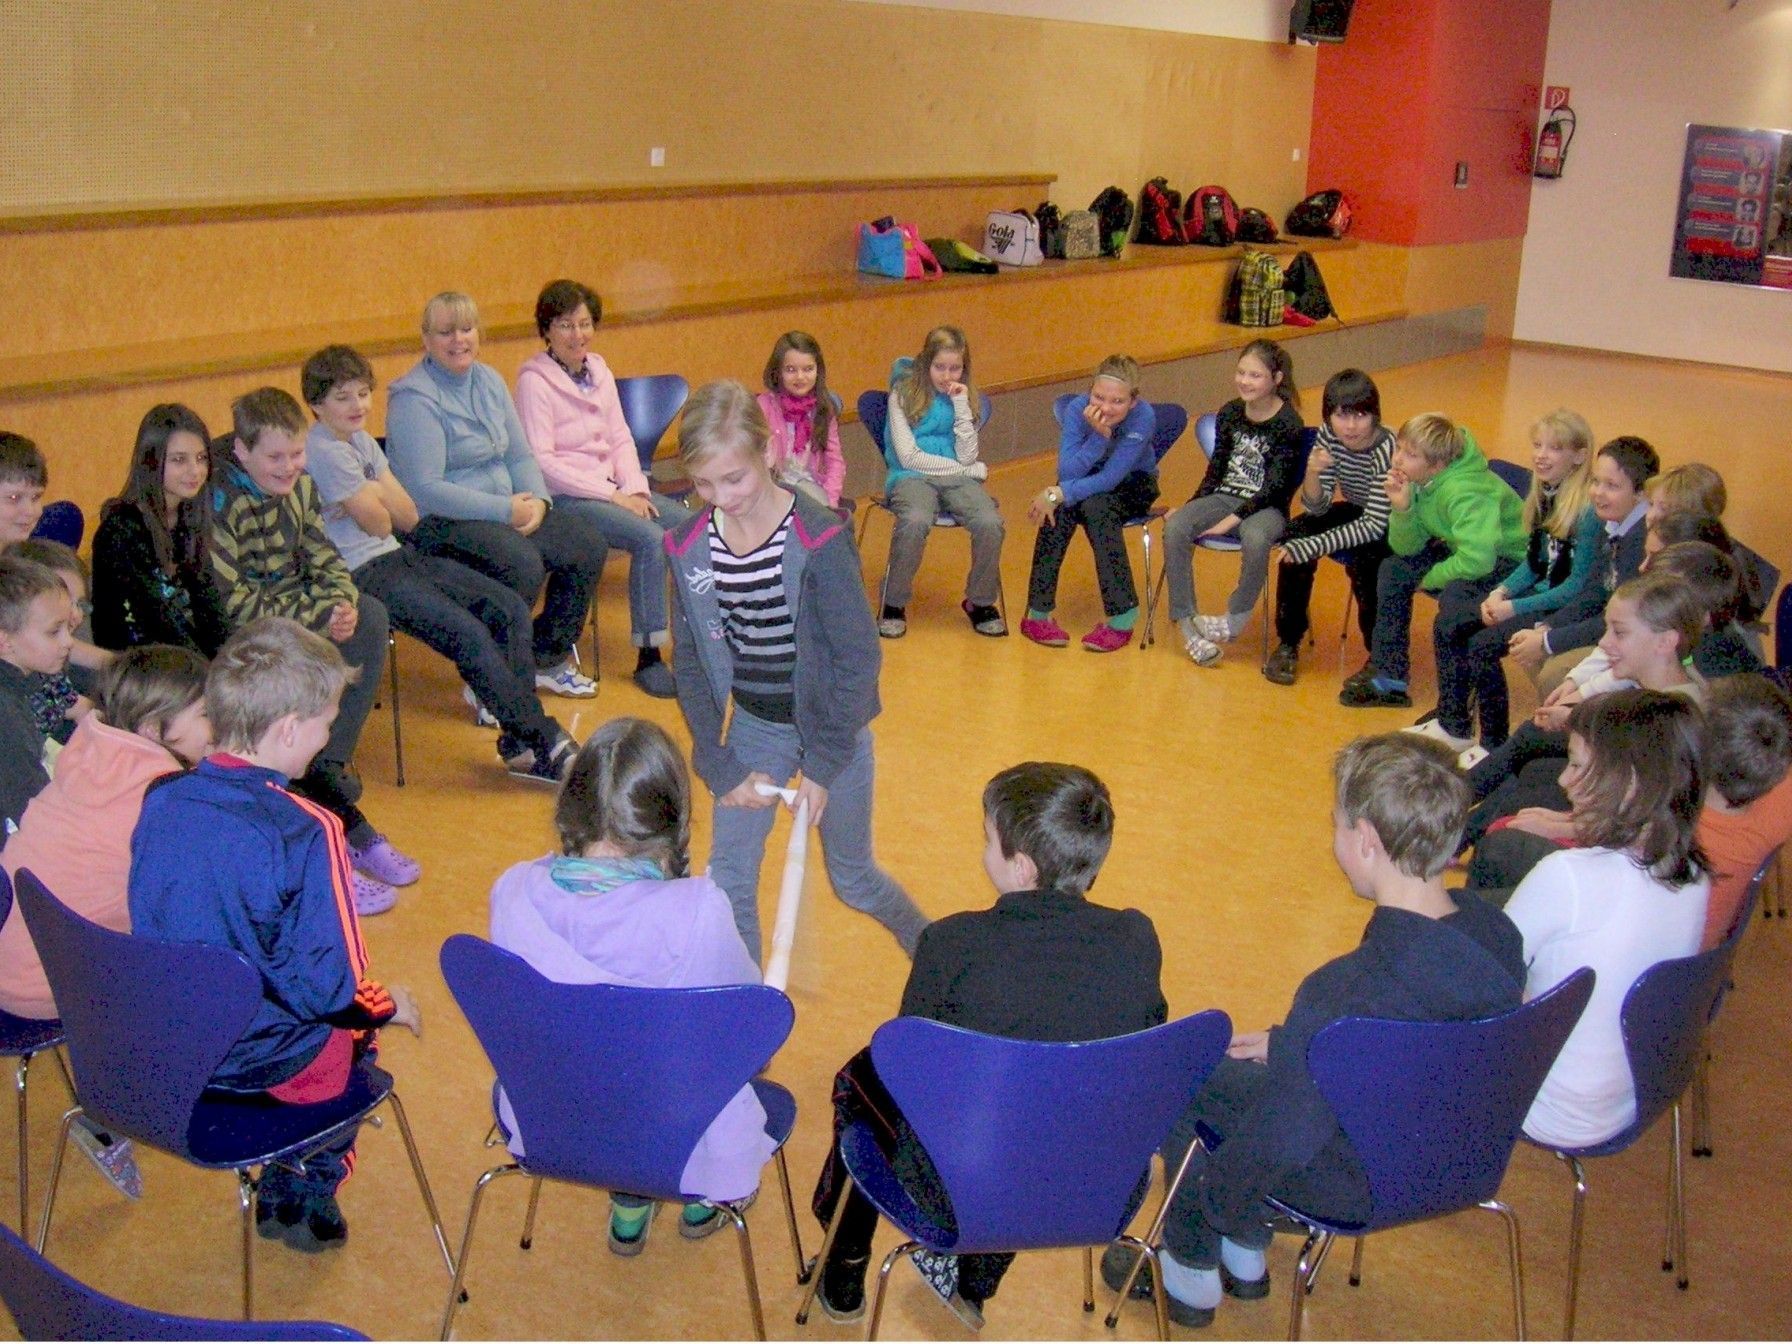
(1171, 421)
(1308, 437)
(874, 410)
(1663, 1020)
(1206, 427)
(649, 405)
(62, 521)
(1519, 478)
(47, 1303)
(5, 897)
(148, 1022)
(611, 1085)
(1782, 629)
(1042, 1143)
(1433, 1109)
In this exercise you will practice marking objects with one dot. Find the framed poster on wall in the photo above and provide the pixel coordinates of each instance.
(1734, 222)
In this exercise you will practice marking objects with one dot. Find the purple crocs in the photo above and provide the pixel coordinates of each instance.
(380, 859)
(372, 896)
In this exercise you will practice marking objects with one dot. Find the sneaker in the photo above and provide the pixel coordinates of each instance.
(1435, 730)
(1282, 664)
(1217, 629)
(1362, 674)
(657, 680)
(274, 1218)
(841, 1291)
(1245, 1290)
(1047, 632)
(1105, 639)
(372, 896)
(482, 717)
(550, 769)
(701, 1220)
(321, 1226)
(382, 860)
(1373, 693)
(115, 1158)
(984, 620)
(630, 1245)
(1116, 1263)
(893, 624)
(1472, 757)
(566, 681)
(940, 1272)
(1203, 650)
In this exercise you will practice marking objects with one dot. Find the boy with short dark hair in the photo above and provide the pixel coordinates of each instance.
(227, 855)
(479, 624)
(1427, 955)
(37, 622)
(1043, 964)
(1451, 519)
(272, 558)
(24, 476)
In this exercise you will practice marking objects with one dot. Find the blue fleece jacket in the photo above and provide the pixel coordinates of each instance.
(1090, 464)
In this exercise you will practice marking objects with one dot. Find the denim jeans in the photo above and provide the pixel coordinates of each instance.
(738, 844)
(644, 540)
(1398, 584)
(1468, 660)
(1256, 535)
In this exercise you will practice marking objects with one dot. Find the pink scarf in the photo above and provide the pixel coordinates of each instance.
(800, 413)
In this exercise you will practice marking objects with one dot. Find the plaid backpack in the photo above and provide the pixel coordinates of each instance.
(1211, 217)
(1160, 214)
(1113, 208)
(1256, 297)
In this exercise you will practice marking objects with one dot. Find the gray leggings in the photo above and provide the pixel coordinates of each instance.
(1256, 535)
(916, 502)
(738, 846)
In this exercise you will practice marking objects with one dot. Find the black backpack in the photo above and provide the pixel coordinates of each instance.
(1306, 288)
(1324, 214)
(1256, 227)
(1051, 230)
(1113, 208)
(1160, 214)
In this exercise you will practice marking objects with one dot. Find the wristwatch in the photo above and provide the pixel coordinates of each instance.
(1054, 495)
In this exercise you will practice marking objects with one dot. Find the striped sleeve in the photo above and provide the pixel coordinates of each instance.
(1360, 476)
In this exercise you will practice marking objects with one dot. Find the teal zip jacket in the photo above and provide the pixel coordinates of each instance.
(1471, 511)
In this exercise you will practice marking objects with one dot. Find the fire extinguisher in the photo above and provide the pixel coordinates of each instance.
(1552, 145)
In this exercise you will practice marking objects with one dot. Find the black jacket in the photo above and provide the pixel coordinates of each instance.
(22, 775)
(136, 602)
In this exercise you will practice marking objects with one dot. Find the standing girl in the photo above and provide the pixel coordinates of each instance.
(1475, 623)
(1107, 473)
(771, 623)
(805, 445)
(618, 906)
(930, 444)
(1633, 894)
(1250, 481)
(152, 571)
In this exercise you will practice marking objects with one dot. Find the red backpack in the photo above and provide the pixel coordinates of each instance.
(1324, 214)
(1211, 218)
(1160, 219)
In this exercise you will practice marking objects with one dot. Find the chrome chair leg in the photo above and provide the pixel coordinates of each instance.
(1325, 1252)
(1152, 1233)
(1701, 1105)
(1514, 1257)
(1088, 1279)
(245, 1197)
(746, 1266)
(527, 1240)
(1576, 1225)
(24, 1067)
(43, 1222)
(883, 1279)
(429, 1199)
(1349, 605)
(796, 1237)
(813, 1271)
(1677, 1207)
(397, 726)
(1149, 636)
(1356, 1263)
(1304, 1272)
(455, 1293)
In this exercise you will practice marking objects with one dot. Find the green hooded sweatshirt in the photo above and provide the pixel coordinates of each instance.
(1471, 511)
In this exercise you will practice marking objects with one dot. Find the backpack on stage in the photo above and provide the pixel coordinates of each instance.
(1081, 235)
(1051, 230)
(1160, 214)
(1256, 297)
(1324, 214)
(1211, 217)
(1256, 227)
(1308, 301)
(1113, 208)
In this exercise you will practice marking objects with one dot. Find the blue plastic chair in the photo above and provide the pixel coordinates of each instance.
(1433, 1111)
(1701, 1083)
(1663, 1021)
(1517, 477)
(612, 1086)
(874, 413)
(649, 406)
(62, 521)
(1039, 1145)
(23, 1038)
(1172, 420)
(148, 1023)
(46, 1303)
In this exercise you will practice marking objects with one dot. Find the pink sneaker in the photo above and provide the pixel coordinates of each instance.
(1047, 632)
(381, 860)
(1105, 639)
(372, 896)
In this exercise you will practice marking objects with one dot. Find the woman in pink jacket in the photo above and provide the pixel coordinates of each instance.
(566, 399)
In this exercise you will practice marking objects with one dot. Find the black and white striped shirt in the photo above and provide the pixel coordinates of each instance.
(757, 622)
(1360, 476)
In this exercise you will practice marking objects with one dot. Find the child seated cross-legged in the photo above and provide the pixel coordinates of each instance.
(481, 625)
(227, 855)
(1044, 963)
(1427, 955)
(1452, 520)
(930, 444)
(1106, 474)
(1249, 484)
(1350, 457)
(272, 557)
(619, 906)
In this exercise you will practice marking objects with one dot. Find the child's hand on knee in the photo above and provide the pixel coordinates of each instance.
(1249, 1045)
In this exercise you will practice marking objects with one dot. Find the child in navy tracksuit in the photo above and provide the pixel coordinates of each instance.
(271, 879)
